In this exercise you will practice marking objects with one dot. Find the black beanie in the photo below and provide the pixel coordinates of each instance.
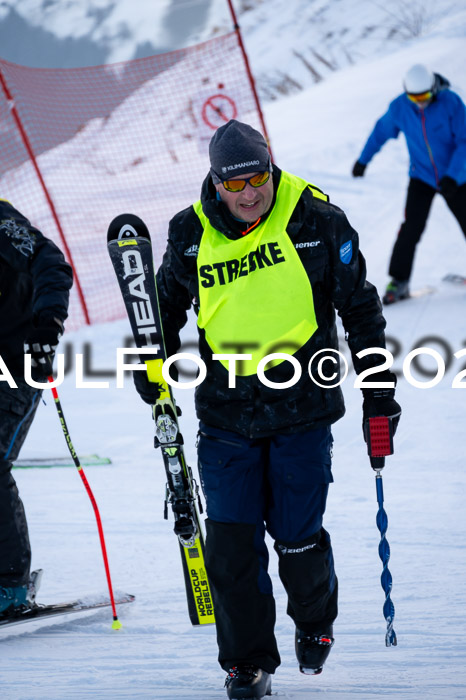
(237, 148)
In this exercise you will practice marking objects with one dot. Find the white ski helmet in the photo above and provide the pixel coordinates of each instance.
(418, 80)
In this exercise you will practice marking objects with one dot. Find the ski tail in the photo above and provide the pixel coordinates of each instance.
(130, 250)
(39, 612)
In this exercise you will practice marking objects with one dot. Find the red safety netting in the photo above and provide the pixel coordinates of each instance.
(128, 137)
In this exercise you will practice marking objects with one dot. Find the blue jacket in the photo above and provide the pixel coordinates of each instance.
(435, 136)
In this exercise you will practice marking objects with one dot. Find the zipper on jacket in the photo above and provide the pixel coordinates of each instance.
(257, 406)
(429, 150)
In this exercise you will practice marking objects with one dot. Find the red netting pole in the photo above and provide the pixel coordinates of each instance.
(249, 72)
(31, 154)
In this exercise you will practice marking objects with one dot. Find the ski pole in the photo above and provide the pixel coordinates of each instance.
(116, 623)
(379, 437)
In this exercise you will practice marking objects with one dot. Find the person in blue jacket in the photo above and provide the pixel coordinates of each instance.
(433, 120)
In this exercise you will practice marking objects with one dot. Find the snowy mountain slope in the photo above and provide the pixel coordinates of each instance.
(89, 32)
(292, 44)
(158, 655)
(330, 36)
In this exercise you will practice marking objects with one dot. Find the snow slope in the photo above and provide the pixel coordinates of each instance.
(298, 43)
(292, 44)
(158, 655)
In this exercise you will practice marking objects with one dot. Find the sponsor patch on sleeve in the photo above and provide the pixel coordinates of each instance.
(21, 238)
(192, 252)
(346, 252)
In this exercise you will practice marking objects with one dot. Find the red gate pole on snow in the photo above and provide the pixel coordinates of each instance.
(249, 72)
(31, 154)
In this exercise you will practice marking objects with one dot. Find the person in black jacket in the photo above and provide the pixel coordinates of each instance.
(266, 260)
(35, 281)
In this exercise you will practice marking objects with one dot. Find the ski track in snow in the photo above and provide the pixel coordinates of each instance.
(157, 654)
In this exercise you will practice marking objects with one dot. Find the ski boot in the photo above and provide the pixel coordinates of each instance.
(16, 599)
(396, 291)
(13, 600)
(248, 681)
(312, 650)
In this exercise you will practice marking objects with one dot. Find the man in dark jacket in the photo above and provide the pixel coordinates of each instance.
(266, 260)
(433, 120)
(34, 292)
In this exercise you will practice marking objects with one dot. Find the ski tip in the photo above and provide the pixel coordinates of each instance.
(456, 279)
(126, 226)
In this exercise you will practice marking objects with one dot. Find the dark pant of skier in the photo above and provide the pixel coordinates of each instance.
(278, 484)
(418, 203)
(17, 410)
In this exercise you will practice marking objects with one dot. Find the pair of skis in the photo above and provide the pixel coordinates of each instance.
(130, 250)
(39, 612)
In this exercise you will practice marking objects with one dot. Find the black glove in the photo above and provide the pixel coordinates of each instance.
(42, 343)
(358, 169)
(448, 186)
(148, 391)
(381, 402)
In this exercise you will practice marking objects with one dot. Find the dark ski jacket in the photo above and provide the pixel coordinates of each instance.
(321, 234)
(435, 136)
(35, 281)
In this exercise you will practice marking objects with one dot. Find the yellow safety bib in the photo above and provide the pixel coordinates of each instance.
(254, 294)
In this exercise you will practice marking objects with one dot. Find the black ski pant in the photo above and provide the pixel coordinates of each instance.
(418, 202)
(277, 485)
(17, 410)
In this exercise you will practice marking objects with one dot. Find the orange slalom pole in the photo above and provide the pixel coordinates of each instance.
(116, 623)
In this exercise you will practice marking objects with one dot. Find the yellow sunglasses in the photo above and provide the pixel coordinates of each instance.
(239, 185)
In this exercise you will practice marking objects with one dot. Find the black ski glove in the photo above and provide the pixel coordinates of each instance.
(148, 391)
(42, 343)
(381, 402)
(358, 169)
(448, 186)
